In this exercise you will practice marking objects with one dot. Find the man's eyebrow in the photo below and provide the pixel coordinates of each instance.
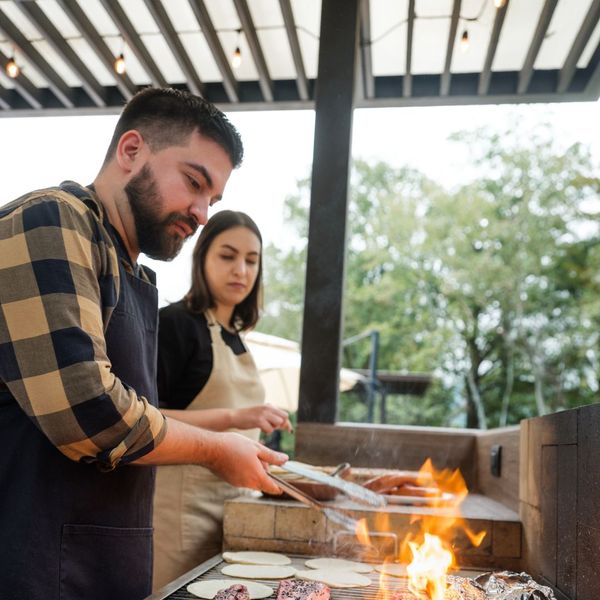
(202, 170)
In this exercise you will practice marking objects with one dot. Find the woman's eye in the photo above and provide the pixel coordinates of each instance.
(226, 257)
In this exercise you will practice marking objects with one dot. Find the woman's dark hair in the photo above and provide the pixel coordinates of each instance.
(167, 117)
(199, 299)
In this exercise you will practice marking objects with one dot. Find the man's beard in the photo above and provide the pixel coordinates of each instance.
(153, 236)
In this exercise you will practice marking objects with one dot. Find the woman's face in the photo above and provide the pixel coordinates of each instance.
(231, 265)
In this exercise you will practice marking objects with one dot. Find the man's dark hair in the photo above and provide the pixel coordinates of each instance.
(199, 299)
(167, 117)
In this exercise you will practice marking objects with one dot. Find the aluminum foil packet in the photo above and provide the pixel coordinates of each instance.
(507, 585)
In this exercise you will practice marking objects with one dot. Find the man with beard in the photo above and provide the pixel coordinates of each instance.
(79, 427)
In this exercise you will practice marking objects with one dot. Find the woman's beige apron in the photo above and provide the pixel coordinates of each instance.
(188, 504)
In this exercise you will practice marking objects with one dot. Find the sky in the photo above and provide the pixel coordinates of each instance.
(43, 151)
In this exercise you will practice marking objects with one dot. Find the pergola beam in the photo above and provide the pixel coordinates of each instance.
(410, 25)
(55, 83)
(536, 44)
(130, 35)
(98, 45)
(446, 76)
(159, 14)
(292, 35)
(212, 39)
(583, 36)
(325, 265)
(486, 73)
(264, 79)
(89, 83)
(365, 50)
(4, 99)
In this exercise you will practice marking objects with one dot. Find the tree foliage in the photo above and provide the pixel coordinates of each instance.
(491, 287)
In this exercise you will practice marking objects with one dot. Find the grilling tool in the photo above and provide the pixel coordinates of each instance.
(331, 513)
(353, 490)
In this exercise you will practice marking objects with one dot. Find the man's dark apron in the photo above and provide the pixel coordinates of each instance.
(67, 530)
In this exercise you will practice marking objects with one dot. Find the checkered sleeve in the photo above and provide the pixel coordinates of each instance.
(59, 282)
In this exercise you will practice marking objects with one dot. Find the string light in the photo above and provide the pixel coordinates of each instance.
(119, 64)
(236, 57)
(12, 68)
(464, 41)
(499, 3)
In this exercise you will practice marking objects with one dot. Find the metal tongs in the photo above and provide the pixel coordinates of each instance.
(331, 513)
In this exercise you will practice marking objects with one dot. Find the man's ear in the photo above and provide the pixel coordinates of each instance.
(130, 148)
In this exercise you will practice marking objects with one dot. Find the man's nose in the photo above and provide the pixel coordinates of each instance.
(199, 211)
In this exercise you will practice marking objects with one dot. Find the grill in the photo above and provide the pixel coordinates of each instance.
(211, 569)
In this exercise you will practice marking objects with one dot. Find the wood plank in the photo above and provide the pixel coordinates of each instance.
(588, 474)
(325, 261)
(588, 566)
(389, 446)
(531, 548)
(504, 488)
(566, 557)
(524, 461)
(548, 531)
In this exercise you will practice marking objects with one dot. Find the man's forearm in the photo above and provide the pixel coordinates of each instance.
(183, 444)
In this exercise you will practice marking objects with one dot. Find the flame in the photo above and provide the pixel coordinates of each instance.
(427, 549)
(427, 572)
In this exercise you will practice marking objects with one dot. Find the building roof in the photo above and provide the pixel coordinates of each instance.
(410, 52)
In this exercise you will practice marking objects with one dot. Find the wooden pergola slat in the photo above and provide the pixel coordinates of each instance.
(98, 45)
(486, 73)
(24, 87)
(159, 14)
(536, 44)
(592, 87)
(130, 35)
(4, 99)
(264, 79)
(581, 39)
(366, 54)
(55, 83)
(446, 76)
(292, 35)
(89, 83)
(212, 39)
(407, 80)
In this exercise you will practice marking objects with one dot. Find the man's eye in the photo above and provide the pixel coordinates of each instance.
(194, 183)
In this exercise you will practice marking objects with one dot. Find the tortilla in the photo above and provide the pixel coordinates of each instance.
(335, 578)
(258, 571)
(338, 563)
(394, 569)
(256, 558)
(209, 588)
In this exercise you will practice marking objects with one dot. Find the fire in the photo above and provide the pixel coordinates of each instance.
(427, 572)
(427, 549)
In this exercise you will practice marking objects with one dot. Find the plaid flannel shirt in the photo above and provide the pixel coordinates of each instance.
(59, 283)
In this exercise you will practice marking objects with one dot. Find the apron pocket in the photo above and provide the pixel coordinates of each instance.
(97, 563)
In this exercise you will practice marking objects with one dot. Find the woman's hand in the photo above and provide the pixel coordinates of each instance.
(266, 417)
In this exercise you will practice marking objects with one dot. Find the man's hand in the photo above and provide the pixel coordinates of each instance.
(266, 417)
(243, 462)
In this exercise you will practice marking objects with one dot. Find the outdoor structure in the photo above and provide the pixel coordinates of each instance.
(73, 57)
(59, 57)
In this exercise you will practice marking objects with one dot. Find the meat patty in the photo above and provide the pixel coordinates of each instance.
(298, 589)
(234, 592)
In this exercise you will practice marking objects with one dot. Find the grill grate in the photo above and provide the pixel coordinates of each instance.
(396, 585)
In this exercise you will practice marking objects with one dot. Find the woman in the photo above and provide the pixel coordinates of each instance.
(207, 377)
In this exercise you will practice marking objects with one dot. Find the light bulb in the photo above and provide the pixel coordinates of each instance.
(236, 59)
(12, 68)
(464, 41)
(119, 64)
(499, 3)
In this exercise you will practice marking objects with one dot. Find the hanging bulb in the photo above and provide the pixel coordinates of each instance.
(464, 41)
(119, 64)
(499, 3)
(236, 58)
(12, 68)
